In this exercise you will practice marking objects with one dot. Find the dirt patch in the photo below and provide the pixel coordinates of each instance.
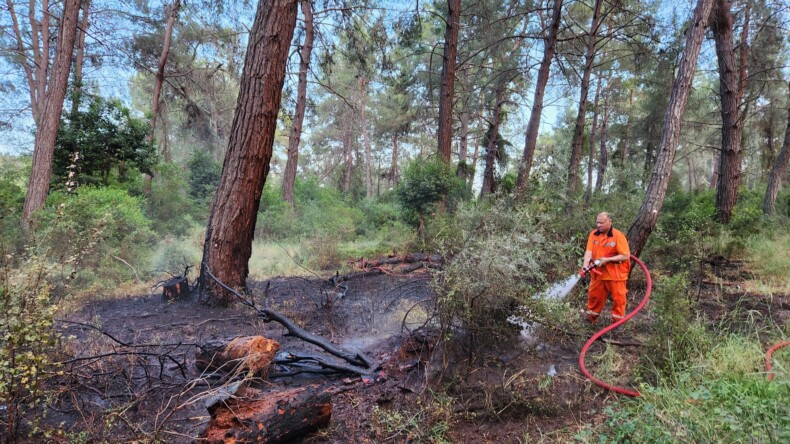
(146, 385)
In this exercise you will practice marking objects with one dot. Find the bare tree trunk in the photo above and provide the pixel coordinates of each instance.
(294, 137)
(531, 137)
(348, 151)
(578, 132)
(475, 157)
(447, 89)
(172, 15)
(47, 126)
(731, 92)
(603, 158)
(593, 131)
(79, 60)
(492, 139)
(232, 223)
(365, 141)
(778, 169)
(393, 176)
(647, 216)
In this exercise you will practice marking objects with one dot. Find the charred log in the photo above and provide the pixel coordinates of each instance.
(250, 354)
(255, 416)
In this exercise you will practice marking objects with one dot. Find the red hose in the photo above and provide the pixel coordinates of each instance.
(770, 351)
(627, 317)
(612, 327)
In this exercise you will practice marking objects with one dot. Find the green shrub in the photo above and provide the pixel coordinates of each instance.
(426, 183)
(203, 177)
(501, 258)
(27, 342)
(677, 336)
(96, 229)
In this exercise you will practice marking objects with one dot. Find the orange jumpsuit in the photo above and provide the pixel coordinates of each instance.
(613, 275)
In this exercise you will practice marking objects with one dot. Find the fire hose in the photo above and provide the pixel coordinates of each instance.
(626, 318)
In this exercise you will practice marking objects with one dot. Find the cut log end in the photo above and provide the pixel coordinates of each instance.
(176, 289)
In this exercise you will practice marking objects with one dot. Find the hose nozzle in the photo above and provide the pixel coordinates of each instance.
(591, 267)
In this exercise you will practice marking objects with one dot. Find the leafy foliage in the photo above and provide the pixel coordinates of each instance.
(204, 174)
(93, 232)
(28, 341)
(425, 184)
(108, 141)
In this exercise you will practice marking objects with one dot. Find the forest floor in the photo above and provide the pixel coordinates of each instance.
(133, 378)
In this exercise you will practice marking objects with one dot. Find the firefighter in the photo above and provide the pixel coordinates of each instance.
(607, 250)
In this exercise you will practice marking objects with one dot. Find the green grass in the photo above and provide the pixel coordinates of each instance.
(726, 397)
(770, 258)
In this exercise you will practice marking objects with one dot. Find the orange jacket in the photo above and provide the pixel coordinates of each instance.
(606, 245)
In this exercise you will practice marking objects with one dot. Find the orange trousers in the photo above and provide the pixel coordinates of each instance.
(596, 299)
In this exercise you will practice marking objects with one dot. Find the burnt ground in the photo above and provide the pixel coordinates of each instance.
(130, 374)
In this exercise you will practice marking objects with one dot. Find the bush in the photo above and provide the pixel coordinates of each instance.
(677, 337)
(93, 230)
(427, 183)
(501, 259)
(28, 340)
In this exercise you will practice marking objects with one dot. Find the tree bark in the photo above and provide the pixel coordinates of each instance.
(647, 216)
(531, 137)
(578, 132)
(365, 142)
(79, 60)
(593, 133)
(275, 417)
(294, 137)
(447, 88)
(603, 159)
(393, 176)
(492, 139)
(778, 169)
(731, 92)
(47, 125)
(172, 15)
(231, 226)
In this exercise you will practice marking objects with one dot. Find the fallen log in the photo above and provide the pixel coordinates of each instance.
(274, 417)
(251, 354)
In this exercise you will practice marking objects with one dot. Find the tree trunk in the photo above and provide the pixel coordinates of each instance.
(647, 216)
(778, 169)
(531, 137)
(578, 132)
(365, 142)
(172, 15)
(593, 132)
(79, 60)
(447, 89)
(730, 92)
(252, 416)
(492, 139)
(47, 126)
(393, 175)
(289, 176)
(232, 223)
(603, 160)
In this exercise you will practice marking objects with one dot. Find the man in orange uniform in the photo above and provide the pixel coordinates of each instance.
(610, 247)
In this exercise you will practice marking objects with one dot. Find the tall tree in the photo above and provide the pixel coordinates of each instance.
(172, 15)
(48, 97)
(578, 132)
(731, 89)
(305, 52)
(447, 88)
(778, 169)
(231, 225)
(647, 216)
(531, 138)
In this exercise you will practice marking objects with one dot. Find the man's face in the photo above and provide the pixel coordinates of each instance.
(603, 223)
